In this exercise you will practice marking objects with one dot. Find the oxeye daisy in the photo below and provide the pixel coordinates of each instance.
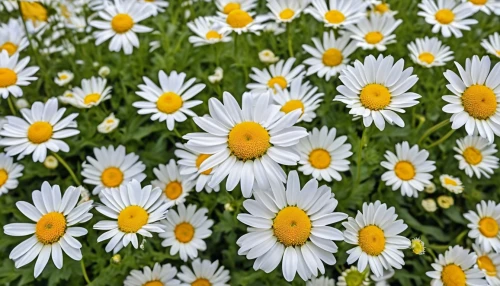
(160, 275)
(285, 11)
(489, 263)
(408, 169)
(455, 268)
(449, 16)
(228, 6)
(157, 6)
(41, 128)
(486, 6)
(476, 156)
(330, 56)
(207, 32)
(323, 155)
(476, 97)
(92, 93)
(247, 144)
(133, 210)
(12, 37)
(452, 184)
(280, 74)
(375, 232)
(377, 89)
(338, 13)
(119, 23)
(380, 7)
(375, 32)
(63, 78)
(204, 273)
(291, 226)
(320, 281)
(484, 225)
(13, 74)
(353, 277)
(492, 44)
(112, 168)
(189, 163)
(430, 52)
(53, 231)
(185, 231)
(175, 187)
(240, 21)
(9, 172)
(170, 102)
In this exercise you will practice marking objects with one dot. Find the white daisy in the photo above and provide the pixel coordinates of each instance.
(475, 102)
(291, 226)
(227, 6)
(9, 172)
(449, 16)
(160, 275)
(175, 187)
(207, 32)
(375, 32)
(452, 184)
(455, 268)
(330, 56)
(109, 124)
(280, 74)
(484, 225)
(157, 6)
(375, 232)
(320, 281)
(492, 44)
(486, 6)
(476, 156)
(285, 11)
(489, 263)
(240, 21)
(171, 101)
(112, 168)
(430, 52)
(204, 273)
(13, 74)
(53, 231)
(247, 144)
(133, 210)
(63, 78)
(338, 13)
(353, 276)
(92, 93)
(189, 163)
(12, 37)
(377, 89)
(323, 156)
(380, 7)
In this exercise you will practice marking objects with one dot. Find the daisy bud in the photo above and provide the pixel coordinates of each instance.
(445, 202)
(22, 103)
(217, 76)
(117, 258)
(50, 162)
(228, 207)
(452, 184)
(417, 246)
(430, 188)
(108, 124)
(429, 205)
(104, 71)
(268, 57)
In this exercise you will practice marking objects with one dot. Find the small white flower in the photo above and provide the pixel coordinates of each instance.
(204, 273)
(492, 44)
(109, 124)
(63, 78)
(476, 156)
(175, 187)
(9, 172)
(217, 76)
(92, 93)
(485, 225)
(50, 162)
(267, 56)
(163, 275)
(449, 16)
(285, 11)
(452, 184)
(338, 13)
(207, 32)
(281, 74)
(13, 74)
(375, 32)
(429, 205)
(104, 71)
(22, 103)
(430, 52)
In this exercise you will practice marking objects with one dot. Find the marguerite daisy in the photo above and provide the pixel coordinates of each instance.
(492, 44)
(189, 163)
(484, 225)
(92, 92)
(280, 74)
(489, 263)
(160, 275)
(9, 172)
(204, 273)
(430, 52)
(452, 184)
(375, 32)
(175, 187)
(338, 13)
(476, 156)
(228, 6)
(63, 78)
(353, 277)
(486, 6)
(240, 21)
(380, 7)
(12, 37)
(448, 16)
(285, 11)
(157, 6)
(206, 32)
(13, 74)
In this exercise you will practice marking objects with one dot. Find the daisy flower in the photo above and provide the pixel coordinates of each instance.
(12, 37)
(486, 6)
(41, 128)
(9, 172)
(228, 6)
(185, 231)
(452, 184)
(320, 281)
(112, 168)
(171, 101)
(206, 32)
(323, 155)
(475, 102)
(160, 275)
(239, 21)
(492, 44)
(489, 263)
(339, 13)
(175, 187)
(247, 144)
(280, 74)
(92, 92)
(375, 32)
(13, 74)
(133, 210)
(157, 6)
(380, 7)
(204, 273)
(285, 11)
(448, 16)
(330, 56)
(455, 268)
(120, 24)
(353, 276)
(189, 163)
(476, 156)
(109, 124)
(484, 225)
(408, 169)
(63, 78)
(291, 226)
(430, 52)
(377, 89)
(375, 231)
(53, 231)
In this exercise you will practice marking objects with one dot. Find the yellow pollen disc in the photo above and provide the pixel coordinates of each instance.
(132, 218)
(478, 2)
(277, 80)
(33, 11)
(184, 232)
(213, 35)
(173, 190)
(426, 58)
(484, 263)
(238, 19)
(231, 6)
(112, 177)
(332, 57)
(404, 170)
(375, 96)
(7, 77)
(40, 132)
(4, 176)
(169, 102)
(453, 275)
(488, 227)
(201, 282)
(287, 14)
(154, 282)
(201, 158)
(334, 17)
(292, 226)
(10, 47)
(292, 105)
(109, 121)
(479, 101)
(63, 77)
(320, 158)
(372, 240)
(355, 278)
(417, 246)
(65, 12)
(248, 140)
(122, 23)
(473, 156)
(382, 8)
(374, 38)
(91, 98)
(451, 182)
(445, 16)
(50, 228)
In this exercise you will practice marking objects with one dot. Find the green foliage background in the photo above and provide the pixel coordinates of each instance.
(155, 144)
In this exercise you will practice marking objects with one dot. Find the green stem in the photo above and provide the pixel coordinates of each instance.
(177, 133)
(441, 140)
(358, 161)
(84, 271)
(63, 162)
(11, 105)
(432, 130)
(290, 39)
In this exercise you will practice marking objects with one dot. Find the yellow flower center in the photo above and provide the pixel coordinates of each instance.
(7, 77)
(184, 232)
(277, 80)
(426, 58)
(173, 190)
(292, 105)
(213, 35)
(169, 102)
(122, 23)
(332, 57)
(63, 77)
(375, 96)
(320, 158)
(231, 6)
(154, 282)
(479, 101)
(40, 132)
(417, 246)
(488, 227)
(132, 218)
(404, 170)
(91, 98)
(287, 14)
(201, 282)
(248, 140)
(355, 278)
(292, 226)
(484, 263)
(201, 158)
(50, 228)
(4, 176)
(372, 240)
(453, 275)
(239, 19)
(65, 12)
(382, 8)
(498, 53)
(374, 37)
(334, 17)
(445, 16)
(478, 2)
(10, 47)
(33, 11)
(473, 156)
(112, 177)
(448, 181)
